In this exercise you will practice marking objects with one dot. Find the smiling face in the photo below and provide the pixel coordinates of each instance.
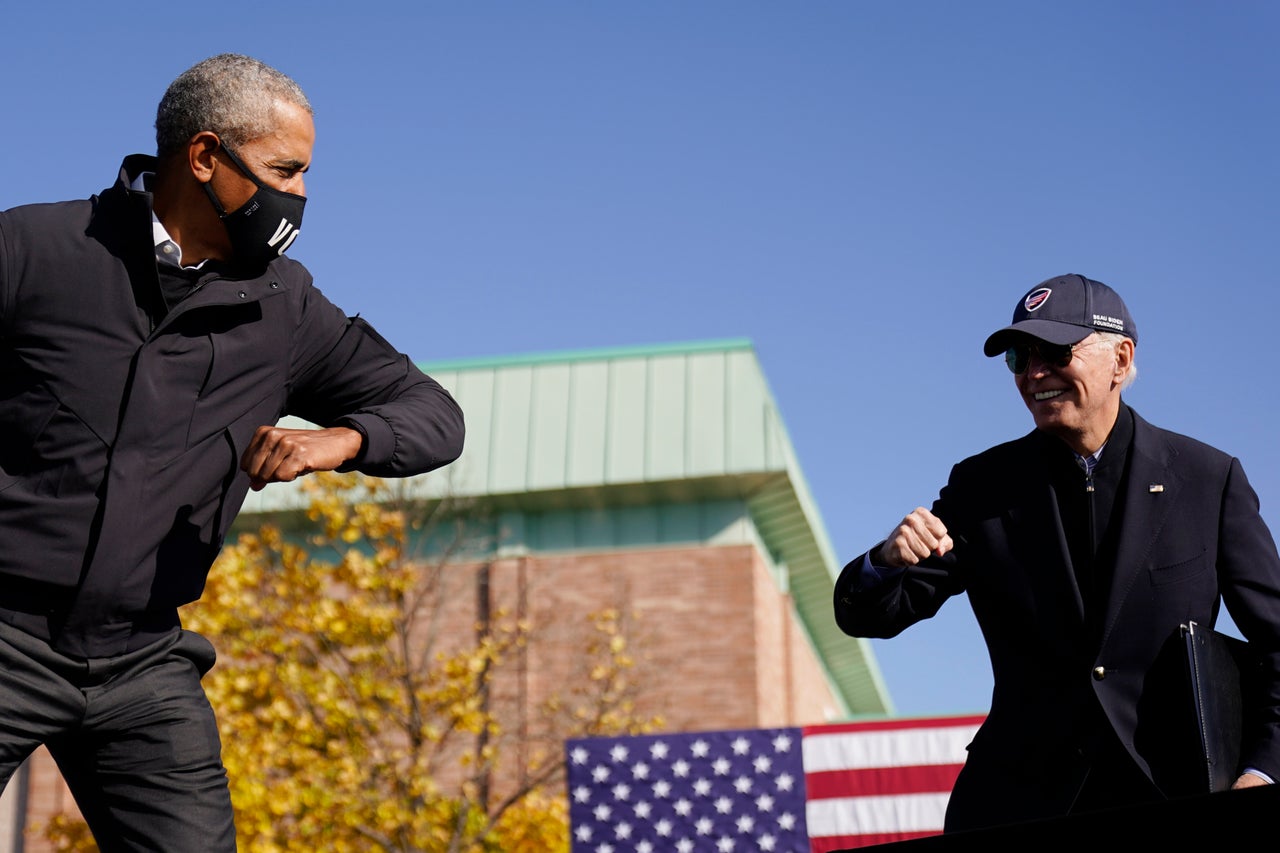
(1080, 401)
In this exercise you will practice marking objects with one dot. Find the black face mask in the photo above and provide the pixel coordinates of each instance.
(265, 225)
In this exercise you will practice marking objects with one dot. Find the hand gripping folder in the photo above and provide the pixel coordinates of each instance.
(1219, 670)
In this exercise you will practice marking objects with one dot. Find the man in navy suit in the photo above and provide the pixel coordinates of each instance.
(1082, 546)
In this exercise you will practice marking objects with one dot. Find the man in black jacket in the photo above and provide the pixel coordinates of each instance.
(1082, 546)
(150, 339)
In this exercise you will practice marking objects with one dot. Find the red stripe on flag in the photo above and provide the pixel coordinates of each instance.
(877, 781)
(832, 843)
(894, 725)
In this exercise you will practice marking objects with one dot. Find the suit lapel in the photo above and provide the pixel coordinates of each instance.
(1149, 496)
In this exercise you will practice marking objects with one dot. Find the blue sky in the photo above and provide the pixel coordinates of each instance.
(863, 189)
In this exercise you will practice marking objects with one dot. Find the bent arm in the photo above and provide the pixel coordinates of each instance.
(347, 375)
(900, 581)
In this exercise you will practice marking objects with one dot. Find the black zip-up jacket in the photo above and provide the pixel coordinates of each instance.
(122, 425)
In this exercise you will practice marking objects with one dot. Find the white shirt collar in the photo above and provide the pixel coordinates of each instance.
(167, 251)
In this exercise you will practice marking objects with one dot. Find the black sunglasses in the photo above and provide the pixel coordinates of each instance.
(1018, 356)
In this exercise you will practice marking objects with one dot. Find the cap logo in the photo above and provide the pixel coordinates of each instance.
(1036, 298)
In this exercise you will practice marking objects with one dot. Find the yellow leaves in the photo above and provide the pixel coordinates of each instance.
(535, 825)
(353, 722)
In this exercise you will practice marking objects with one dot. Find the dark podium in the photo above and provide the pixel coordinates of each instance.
(1207, 822)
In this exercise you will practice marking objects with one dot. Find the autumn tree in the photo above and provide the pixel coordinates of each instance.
(360, 695)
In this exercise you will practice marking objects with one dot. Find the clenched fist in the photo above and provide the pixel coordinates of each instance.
(278, 455)
(921, 534)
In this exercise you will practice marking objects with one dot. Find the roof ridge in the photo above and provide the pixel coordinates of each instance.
(596, 354)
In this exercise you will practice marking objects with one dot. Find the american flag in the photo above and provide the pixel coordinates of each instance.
(814, 789)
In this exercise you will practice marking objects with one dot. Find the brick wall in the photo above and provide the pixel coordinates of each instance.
(718, 644)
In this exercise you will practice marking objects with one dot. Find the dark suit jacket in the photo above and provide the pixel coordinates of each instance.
(1191, 537)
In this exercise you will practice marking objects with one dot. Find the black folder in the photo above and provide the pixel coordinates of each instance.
(1219, 670)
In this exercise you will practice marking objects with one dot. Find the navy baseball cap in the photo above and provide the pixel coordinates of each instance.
(1064, 310)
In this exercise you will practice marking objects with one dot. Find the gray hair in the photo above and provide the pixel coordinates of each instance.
(1114, 339)
(232, 95)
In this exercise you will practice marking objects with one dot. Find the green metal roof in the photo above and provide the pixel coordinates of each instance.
(671, 423)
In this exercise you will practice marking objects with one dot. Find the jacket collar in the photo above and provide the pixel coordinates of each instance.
(122, 223)
(1039, 519)
(133, 166)
(1149, 494)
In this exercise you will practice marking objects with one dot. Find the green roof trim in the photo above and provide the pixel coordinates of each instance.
(603, 354)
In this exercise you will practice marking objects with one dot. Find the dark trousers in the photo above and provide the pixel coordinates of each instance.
(998, 790)
(133, 735)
